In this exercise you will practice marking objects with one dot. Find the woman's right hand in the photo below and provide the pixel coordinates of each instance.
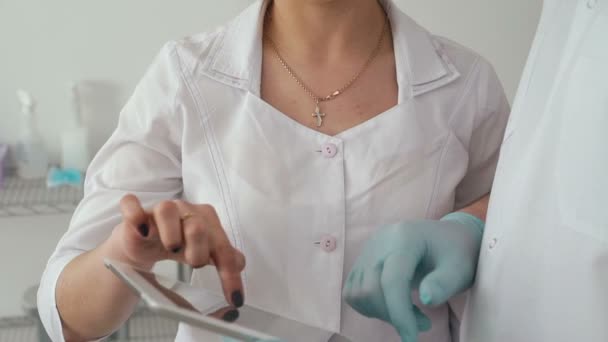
(188, 233)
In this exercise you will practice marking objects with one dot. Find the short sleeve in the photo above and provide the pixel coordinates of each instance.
(142, 157)
(489, 125)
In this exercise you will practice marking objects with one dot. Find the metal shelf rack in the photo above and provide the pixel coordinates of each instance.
(21, 197)
(143, 326)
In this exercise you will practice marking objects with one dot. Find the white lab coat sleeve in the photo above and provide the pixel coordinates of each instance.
(488, 128)
(142, 157)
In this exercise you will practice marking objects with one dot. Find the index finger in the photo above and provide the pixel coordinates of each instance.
(227, 259)
(397, 277)
(131, 210)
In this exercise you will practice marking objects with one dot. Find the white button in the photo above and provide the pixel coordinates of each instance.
(328, 243)
(591, 3)
(329, 150)
(493, 243)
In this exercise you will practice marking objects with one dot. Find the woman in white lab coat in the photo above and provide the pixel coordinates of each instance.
(289, 136)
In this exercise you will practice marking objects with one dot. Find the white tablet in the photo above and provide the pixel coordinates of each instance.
(208, 311)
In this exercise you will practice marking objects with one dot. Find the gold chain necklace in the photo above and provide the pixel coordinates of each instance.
(318, 115)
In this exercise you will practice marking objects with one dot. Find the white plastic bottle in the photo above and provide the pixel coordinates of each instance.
(32, 158)
(75, 152)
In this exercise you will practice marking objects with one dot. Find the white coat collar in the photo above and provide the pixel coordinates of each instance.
(236, 57)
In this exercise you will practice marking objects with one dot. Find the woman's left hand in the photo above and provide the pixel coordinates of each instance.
(439, 256)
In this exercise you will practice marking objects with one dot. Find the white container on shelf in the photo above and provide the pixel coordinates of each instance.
(32, 158)
(75, 152)
(3, 154)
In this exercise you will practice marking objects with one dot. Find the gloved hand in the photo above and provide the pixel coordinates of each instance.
(439, 257)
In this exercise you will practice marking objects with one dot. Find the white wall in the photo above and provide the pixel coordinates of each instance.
(502, 31)
(45, 44)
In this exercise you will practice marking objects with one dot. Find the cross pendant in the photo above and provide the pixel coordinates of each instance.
(317, 114)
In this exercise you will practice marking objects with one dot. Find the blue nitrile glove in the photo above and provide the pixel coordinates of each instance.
(438, 257)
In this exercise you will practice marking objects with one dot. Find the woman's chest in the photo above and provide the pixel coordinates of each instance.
(259, 164)
(297, 201)
(362, 94)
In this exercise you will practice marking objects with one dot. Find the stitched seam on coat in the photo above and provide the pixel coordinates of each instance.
(211, 143)
(213, 149)
(211, 71)
(230, 203)
(466, 91)
(179, 118)
(437, 176)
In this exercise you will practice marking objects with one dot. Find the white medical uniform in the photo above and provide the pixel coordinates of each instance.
(543, 272)
(298, 203)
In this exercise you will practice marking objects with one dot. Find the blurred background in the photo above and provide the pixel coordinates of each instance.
(89, 55)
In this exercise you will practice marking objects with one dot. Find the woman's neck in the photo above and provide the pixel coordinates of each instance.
(325, 31)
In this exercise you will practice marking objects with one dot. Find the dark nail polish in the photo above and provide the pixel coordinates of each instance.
(144, 230)
(231, 316)
(176, 250)
(237, 298)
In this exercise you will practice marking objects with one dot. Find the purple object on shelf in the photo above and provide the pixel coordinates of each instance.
(3, 153)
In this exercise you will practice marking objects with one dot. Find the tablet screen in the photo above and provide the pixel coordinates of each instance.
(191, 298)
(202, 301)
